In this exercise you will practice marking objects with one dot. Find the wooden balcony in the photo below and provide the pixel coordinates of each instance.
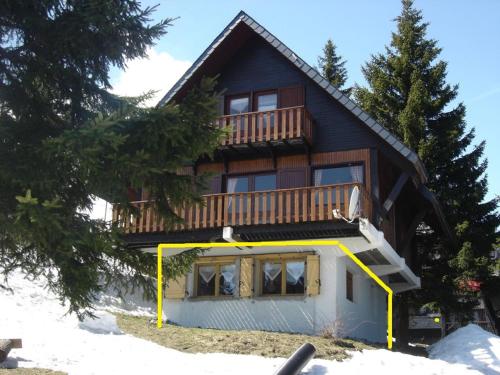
(300, 205)
(293, 125)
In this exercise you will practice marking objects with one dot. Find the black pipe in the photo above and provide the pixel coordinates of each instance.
(297, 360)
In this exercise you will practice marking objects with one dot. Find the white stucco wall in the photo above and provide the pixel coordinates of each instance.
(363, 319)
(366, 316)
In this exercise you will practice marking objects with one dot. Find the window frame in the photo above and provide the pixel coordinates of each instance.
(228, 98)
(340, 165)
(251, 179)
(216, 262)
(256, 94)
(283, 260)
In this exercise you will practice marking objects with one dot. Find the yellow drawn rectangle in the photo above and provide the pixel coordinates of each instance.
(337, 243)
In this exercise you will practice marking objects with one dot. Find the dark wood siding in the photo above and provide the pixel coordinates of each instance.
(290, 96)
(257, 66)
(292, 178)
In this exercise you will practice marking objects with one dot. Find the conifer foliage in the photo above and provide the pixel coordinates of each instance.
(64, 140)
(332, 67)
(407, 93)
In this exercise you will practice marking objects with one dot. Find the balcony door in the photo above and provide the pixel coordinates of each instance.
(250, 183)
(343, 179)
(237, 105)
(264, 102)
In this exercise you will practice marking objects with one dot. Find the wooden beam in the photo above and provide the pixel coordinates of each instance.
(393, 195)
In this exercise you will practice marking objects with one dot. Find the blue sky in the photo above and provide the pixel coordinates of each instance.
(468, 31)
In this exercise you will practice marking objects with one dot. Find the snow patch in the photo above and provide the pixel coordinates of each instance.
(472, 346)
(103, 323)
(55, 340)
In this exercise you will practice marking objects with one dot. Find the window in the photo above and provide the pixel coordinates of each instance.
(265, 182)
(243, 184)
(237, 105)
(267, 101)
(338, 175)
(217, 279)
(349, 287)
(283, 277)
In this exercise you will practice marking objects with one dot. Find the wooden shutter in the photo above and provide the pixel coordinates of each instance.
(313, 282)
(216, 184)
(246, 277)
(176, 289)
(290, 96)
(292, 178)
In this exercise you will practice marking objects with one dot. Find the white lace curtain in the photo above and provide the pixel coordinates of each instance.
(207, 273)
(294, 272)
(356, 173)
(272, 270)
(318, 174)
(228, 284)
(231, 187)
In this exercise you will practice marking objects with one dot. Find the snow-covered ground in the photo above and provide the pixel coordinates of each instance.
(57, 341)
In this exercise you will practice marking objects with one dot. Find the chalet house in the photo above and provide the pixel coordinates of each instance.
(302, 161)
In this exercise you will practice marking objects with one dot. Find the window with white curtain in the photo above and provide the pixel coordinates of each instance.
(338, 175)
(216, 279)
(283, 277)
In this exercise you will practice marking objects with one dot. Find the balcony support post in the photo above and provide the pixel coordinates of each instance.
(394, 194)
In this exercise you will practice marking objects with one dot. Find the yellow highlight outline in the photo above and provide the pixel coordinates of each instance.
(205, 245)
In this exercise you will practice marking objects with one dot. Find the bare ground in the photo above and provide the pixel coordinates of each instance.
(267, 344)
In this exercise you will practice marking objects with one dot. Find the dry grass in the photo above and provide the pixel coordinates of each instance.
(29, 371)
(267, 344)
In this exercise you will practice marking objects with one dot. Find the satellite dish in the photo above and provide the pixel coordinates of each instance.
(354, 204)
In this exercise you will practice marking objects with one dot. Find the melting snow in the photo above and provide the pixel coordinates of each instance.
(54, 340)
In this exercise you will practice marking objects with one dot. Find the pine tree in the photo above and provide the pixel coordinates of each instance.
(64, 139)
(331, 66)
(409, 95)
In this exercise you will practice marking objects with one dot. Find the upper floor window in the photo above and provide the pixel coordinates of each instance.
(338, 175)
(266, 101)
(238, 104)
(243, 184)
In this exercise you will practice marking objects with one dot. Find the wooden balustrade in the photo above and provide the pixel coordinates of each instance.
(269, 126)
(299, 205)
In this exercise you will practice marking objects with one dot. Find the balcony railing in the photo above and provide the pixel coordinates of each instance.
(278, 125)
(286, 206)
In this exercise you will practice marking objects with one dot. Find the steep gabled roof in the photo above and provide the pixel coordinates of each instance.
(244, 19)
(312, 73)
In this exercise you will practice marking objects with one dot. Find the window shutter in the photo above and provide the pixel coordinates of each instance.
(246, 277)
(216, 184)
(176, 289)
(313, 281)
(291, 96)
(292, 178)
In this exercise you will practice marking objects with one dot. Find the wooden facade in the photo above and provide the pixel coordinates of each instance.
(302, 128)
(283, 206)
